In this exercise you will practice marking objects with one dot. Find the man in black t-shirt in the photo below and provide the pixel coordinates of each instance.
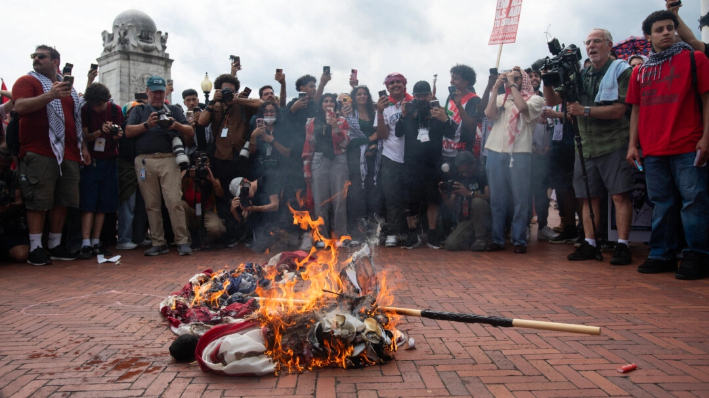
(258, 214)
(424, 129)
(469, 197)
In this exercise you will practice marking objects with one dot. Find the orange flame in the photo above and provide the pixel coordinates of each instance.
(320, 271)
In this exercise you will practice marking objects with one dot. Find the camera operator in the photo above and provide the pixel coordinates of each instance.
(202, 134)
(423, 128)
(101, 122)
(156, 167)
(602, 118)
(229, 116)
(14, 244)
(515, 114)
(200, 192)
(256, 207)
(469, 198)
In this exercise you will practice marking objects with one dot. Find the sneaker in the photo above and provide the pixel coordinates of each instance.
(412, 241)
(520, 249)
(231, 242)
(99, 248)
(694, 266)
(584, 252)
(306, 243)
(184, 249)
(60, 253)
(39, 257)
(494, 247)
(86, 253)
(157, 250)
(565, 237)
(621, 255)
(478, 246)
(126, 246)
(391, 241)
(655, 266)
(434, 240)
(145, 243)
(546, 233)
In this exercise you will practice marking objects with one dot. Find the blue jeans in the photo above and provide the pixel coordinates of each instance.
(509, 184)
(677, 188)
(125, 219)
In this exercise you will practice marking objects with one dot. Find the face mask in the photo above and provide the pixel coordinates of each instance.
(269, 119)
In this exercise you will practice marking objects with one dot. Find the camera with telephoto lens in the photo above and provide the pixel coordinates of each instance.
(561, 67)
(447, 186)
(227, 95)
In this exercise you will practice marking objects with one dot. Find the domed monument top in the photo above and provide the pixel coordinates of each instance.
(134, 31)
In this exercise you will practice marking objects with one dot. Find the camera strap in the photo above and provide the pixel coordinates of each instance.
(695, 83)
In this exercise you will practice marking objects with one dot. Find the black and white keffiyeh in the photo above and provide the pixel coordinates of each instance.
(652, 68)
(55, 114)
(355, 132)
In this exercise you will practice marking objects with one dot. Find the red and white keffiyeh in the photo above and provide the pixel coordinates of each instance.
(516, 123)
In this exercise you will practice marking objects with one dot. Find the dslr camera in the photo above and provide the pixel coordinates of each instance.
(227, 95)
(115, 129)
(164, 115)
(202, 170)
(244, 196)
(447, 186)
(422, 107)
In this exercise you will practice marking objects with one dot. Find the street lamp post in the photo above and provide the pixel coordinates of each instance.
(206, 87)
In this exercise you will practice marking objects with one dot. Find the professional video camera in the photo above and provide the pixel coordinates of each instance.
(562, 66)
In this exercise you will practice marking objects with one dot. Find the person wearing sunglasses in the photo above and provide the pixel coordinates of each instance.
(51, 149)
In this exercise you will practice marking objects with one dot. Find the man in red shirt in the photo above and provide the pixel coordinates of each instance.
(670, 121)
(51, 147)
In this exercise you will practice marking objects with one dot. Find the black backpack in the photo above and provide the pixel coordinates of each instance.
(12, 133)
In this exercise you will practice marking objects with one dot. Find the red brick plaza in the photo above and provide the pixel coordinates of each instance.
(79, 329)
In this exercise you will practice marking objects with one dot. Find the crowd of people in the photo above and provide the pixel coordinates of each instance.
(467, 172)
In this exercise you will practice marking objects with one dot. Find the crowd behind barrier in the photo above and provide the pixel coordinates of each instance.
(459, 171)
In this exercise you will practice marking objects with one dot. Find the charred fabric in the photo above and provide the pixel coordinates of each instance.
(299, 312)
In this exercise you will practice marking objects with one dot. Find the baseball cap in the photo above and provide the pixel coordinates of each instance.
(421, 87)
(155, 83)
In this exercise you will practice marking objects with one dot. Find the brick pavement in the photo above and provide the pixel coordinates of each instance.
(78, 329)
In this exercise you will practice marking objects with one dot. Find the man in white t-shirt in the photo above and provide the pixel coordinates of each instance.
(509, 148)
(392, 166)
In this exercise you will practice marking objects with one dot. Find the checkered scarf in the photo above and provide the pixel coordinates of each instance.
(652, 68)
(355, 132)
(516, 123)
(55, 114)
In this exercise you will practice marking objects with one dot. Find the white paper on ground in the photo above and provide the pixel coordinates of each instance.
(101, 259)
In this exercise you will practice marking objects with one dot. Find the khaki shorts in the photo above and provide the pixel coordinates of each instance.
(42, 186)
(611, 171)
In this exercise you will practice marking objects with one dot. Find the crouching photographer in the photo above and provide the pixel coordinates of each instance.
(468, 195)
(14, 238)
(160, 154)
(201, 191)
(256, 208)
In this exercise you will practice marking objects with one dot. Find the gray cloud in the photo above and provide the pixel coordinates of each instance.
(416, 38)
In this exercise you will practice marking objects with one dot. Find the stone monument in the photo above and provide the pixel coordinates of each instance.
(132, 52)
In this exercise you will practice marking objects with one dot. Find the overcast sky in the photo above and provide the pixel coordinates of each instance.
(416, 38)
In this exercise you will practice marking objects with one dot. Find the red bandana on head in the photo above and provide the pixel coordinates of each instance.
(515, 124)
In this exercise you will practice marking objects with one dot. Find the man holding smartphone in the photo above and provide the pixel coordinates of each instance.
(51, 149)
(392, 168)
(670, 98)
